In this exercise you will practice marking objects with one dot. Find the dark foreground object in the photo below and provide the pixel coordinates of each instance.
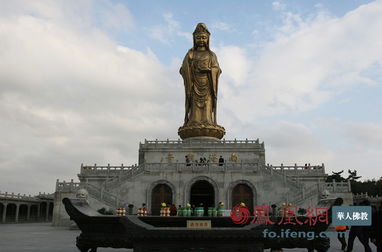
(170, 234)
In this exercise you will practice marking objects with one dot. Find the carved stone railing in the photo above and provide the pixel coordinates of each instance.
(126, 171)
(102, 195)
(299, 170)
(338, 186)
(202, 167)
(374, 200)
(94, 191)
(108, 170)
(18, 197)
(365, 196)
(67, 186)
(116, 174)
(203, 141)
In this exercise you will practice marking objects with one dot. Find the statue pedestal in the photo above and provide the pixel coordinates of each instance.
(170, 151)
(208, 131)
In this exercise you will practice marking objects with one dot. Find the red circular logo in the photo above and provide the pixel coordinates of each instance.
(240, 214)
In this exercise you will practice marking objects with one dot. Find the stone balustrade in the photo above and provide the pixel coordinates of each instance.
(299, 169)
(366, 196)
(202, 167)
(203, 141)
(13, 196)
(94, 191)
(375, 200)
(106, 170)
(67, 186)
(338, 186)
(114, 171)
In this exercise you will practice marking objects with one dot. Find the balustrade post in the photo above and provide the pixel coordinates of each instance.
(17, 213)
(38, 212)
(28, 211)
(47, 212)
(334, 185)
(4, 212)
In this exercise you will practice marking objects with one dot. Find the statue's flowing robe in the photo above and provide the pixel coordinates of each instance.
(201, 88)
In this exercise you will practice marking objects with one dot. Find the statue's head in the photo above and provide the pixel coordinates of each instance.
(201, 36)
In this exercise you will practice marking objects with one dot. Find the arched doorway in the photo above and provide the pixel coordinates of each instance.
(160, 193)
(202, 192)
(242, 193)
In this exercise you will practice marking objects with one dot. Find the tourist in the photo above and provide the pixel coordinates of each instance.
(221, 161)
(376, 230)
(362, 232)
(188, 162)
(340, 229)
(341, 235)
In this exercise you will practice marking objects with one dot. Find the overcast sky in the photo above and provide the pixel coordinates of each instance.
(86, 81)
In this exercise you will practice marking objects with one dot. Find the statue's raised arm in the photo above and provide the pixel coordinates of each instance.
(200, 71)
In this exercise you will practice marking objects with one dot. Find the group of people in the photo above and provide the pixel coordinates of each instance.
(202, 161)
(364, 234)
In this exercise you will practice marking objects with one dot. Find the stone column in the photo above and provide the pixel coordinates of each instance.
(38, 212)
(28, 211)
(47, 212)
(17, 213)
(334, 185)
(4, 212)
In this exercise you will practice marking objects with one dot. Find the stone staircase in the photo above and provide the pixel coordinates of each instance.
(295, 186)
(105, 197)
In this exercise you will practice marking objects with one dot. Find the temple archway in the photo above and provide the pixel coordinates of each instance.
(202, 192)
(242, 193)
(160, 193)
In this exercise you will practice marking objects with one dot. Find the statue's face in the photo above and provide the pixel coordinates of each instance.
(201, 39)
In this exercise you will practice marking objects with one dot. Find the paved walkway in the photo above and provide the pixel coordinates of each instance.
(42, 237)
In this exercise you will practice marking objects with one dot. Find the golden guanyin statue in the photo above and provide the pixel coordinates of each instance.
(200, 71)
